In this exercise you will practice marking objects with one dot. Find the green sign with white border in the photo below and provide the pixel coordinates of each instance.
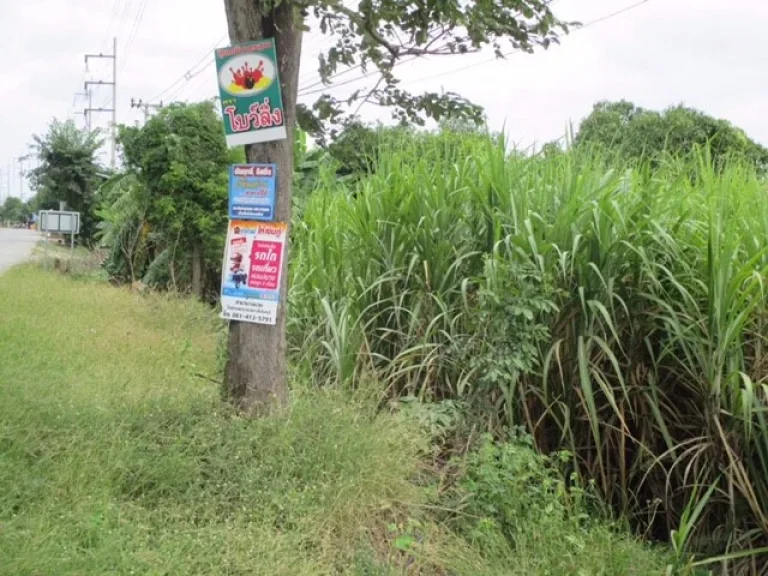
(249, 86)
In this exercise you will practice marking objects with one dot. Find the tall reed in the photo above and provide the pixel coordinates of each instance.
(618, 313)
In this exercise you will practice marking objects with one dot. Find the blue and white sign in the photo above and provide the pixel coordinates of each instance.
(252, 192)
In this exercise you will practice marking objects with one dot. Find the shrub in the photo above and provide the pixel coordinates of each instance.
(513, 502)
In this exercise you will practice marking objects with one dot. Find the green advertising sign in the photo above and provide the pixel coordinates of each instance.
(249, 86)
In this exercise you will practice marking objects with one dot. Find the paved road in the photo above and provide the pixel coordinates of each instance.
(15, 246)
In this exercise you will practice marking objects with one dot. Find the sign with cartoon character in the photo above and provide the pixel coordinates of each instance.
(253, 264)
(252, 191)
(249, 86)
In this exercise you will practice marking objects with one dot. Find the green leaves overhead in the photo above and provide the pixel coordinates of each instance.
(377, 35)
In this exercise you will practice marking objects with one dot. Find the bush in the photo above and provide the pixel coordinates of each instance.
(514, 503)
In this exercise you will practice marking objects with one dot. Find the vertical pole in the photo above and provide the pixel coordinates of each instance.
(88, 112)
(114, 99)
(72, 249)
(45, 250)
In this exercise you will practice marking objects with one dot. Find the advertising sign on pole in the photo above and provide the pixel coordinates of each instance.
(252, 192)
(253, 264)
(249, 86)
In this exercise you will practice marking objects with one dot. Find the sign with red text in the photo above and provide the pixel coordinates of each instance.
(253, 265)
(252, 191)
(249, 87)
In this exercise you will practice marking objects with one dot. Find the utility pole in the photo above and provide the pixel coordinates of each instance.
(20, 160)
(112, 57)
(256, 373)
(86, 115)
(145, 106)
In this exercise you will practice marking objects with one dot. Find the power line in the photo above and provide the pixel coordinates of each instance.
(188, 77)
(318, 81)
(189, 74)
(588, 24)
(315, 50)
(186, 85)
(318, 86)
(123, 17)
(145, 107)
(112, 21)
(307, 91)
(197, 86)
(134, 31)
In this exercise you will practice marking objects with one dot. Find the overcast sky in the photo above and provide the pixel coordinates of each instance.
(708, 54)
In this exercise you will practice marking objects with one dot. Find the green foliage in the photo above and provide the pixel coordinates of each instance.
(509, 487)
(116, 459)
(379, 34)
(355, 148)
(508, 324)
(124, 228)
(68, 172)
(626, 324)
(513, 502)
(635, 134)
(15, 210)
(177, 164)
(167, 211)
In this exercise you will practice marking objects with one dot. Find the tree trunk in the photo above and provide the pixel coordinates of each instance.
(256, 367)
(197, 269)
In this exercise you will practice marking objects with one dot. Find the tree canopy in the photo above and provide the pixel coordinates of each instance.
(14, 210)
(69, 171)
(375, 36)
(178, 161)
(634, 133)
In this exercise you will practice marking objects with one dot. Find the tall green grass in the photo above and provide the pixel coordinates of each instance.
(618, 313)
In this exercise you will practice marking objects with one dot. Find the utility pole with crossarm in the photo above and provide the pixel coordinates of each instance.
(113, 83)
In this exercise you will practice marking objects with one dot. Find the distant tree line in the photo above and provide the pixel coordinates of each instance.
(631, 133)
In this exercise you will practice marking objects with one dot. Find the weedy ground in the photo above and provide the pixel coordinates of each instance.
(117, 457)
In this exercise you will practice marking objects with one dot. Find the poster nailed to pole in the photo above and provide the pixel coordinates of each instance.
(249, 86)
(253, 264)
(252, 191)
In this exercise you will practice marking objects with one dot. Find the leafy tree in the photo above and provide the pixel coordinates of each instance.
(180, 158)
(68, 172)
(374, 35)
(634, 134)
(14, 210)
